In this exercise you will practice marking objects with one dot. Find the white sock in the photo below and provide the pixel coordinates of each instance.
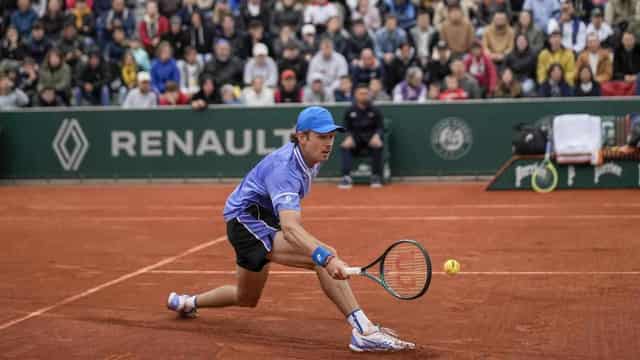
(360, 322)
(190, 303)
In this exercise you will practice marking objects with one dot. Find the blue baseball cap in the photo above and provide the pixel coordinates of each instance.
(317, 119)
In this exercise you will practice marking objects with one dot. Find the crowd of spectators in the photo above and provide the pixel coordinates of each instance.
(141, 54)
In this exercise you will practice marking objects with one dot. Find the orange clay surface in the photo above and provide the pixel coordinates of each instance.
(85, 272)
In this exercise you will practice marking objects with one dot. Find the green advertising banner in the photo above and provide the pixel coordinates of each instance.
(467, 138)
(138, 144)
(516, 175)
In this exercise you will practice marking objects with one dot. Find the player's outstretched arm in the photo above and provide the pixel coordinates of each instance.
(321, 254)
(295, 234)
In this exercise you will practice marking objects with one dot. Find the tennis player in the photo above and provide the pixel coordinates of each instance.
(263, 216)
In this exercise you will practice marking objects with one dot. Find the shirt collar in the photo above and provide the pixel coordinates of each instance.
(300, 160)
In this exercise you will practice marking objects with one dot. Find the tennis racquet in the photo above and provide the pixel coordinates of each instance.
(404, 270)
(545, 176)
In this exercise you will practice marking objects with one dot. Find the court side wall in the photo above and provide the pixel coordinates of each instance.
(461, 138)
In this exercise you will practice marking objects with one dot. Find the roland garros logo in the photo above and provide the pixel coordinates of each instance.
(70, 144)
(451, 138)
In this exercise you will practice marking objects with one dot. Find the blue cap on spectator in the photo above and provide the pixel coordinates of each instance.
(317, 119)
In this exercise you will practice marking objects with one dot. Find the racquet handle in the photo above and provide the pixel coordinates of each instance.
(353, 271)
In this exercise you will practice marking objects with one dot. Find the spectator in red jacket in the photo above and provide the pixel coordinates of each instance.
(289, 90)
(152, 26)
(453, 90)
(71, 4)
(480, 66)
(173, 96)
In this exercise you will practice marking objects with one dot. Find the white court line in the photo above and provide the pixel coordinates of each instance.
(122, 278)
(337, 207)
(302, 272)
(472, 217)
(341, 218)
(50, 217)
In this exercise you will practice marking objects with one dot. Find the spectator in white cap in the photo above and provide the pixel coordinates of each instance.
(315, 92)
(142, 97)
(309, 29)
(309, 41)
(261, 65)
(330, 64)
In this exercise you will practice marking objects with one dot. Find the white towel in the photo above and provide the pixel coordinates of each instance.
(577, 138)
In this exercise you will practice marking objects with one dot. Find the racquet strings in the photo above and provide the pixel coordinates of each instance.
(544, 177)
(405, 270)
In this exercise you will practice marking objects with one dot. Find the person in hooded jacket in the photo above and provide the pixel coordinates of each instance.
(164, 68)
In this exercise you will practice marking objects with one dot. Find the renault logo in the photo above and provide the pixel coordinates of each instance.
(70, 144)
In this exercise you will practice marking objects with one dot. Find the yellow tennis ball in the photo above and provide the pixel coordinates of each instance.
(451, 267)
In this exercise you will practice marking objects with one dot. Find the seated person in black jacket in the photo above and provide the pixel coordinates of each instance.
(555, 86)
(344, 91)
(367, 67)
(208, 94)
(365, 130)
(92, 80)
(47, 97)
(358, 41)
(626, 60)
(586, 84)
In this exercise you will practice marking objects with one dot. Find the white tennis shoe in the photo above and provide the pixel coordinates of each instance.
(382, 339)
(179, 304)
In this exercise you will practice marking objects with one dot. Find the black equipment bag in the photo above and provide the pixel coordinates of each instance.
(528, 140)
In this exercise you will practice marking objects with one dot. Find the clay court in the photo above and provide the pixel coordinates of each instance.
(85, 272)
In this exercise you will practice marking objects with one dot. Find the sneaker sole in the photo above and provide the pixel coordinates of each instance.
(345, 187)
(189, 315)
(357, 349)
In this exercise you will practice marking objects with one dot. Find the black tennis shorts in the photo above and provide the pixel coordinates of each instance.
(251, 235)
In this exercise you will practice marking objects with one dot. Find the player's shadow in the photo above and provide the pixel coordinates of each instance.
(268, 333)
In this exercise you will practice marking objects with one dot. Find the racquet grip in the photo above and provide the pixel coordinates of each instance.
(353, 271)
